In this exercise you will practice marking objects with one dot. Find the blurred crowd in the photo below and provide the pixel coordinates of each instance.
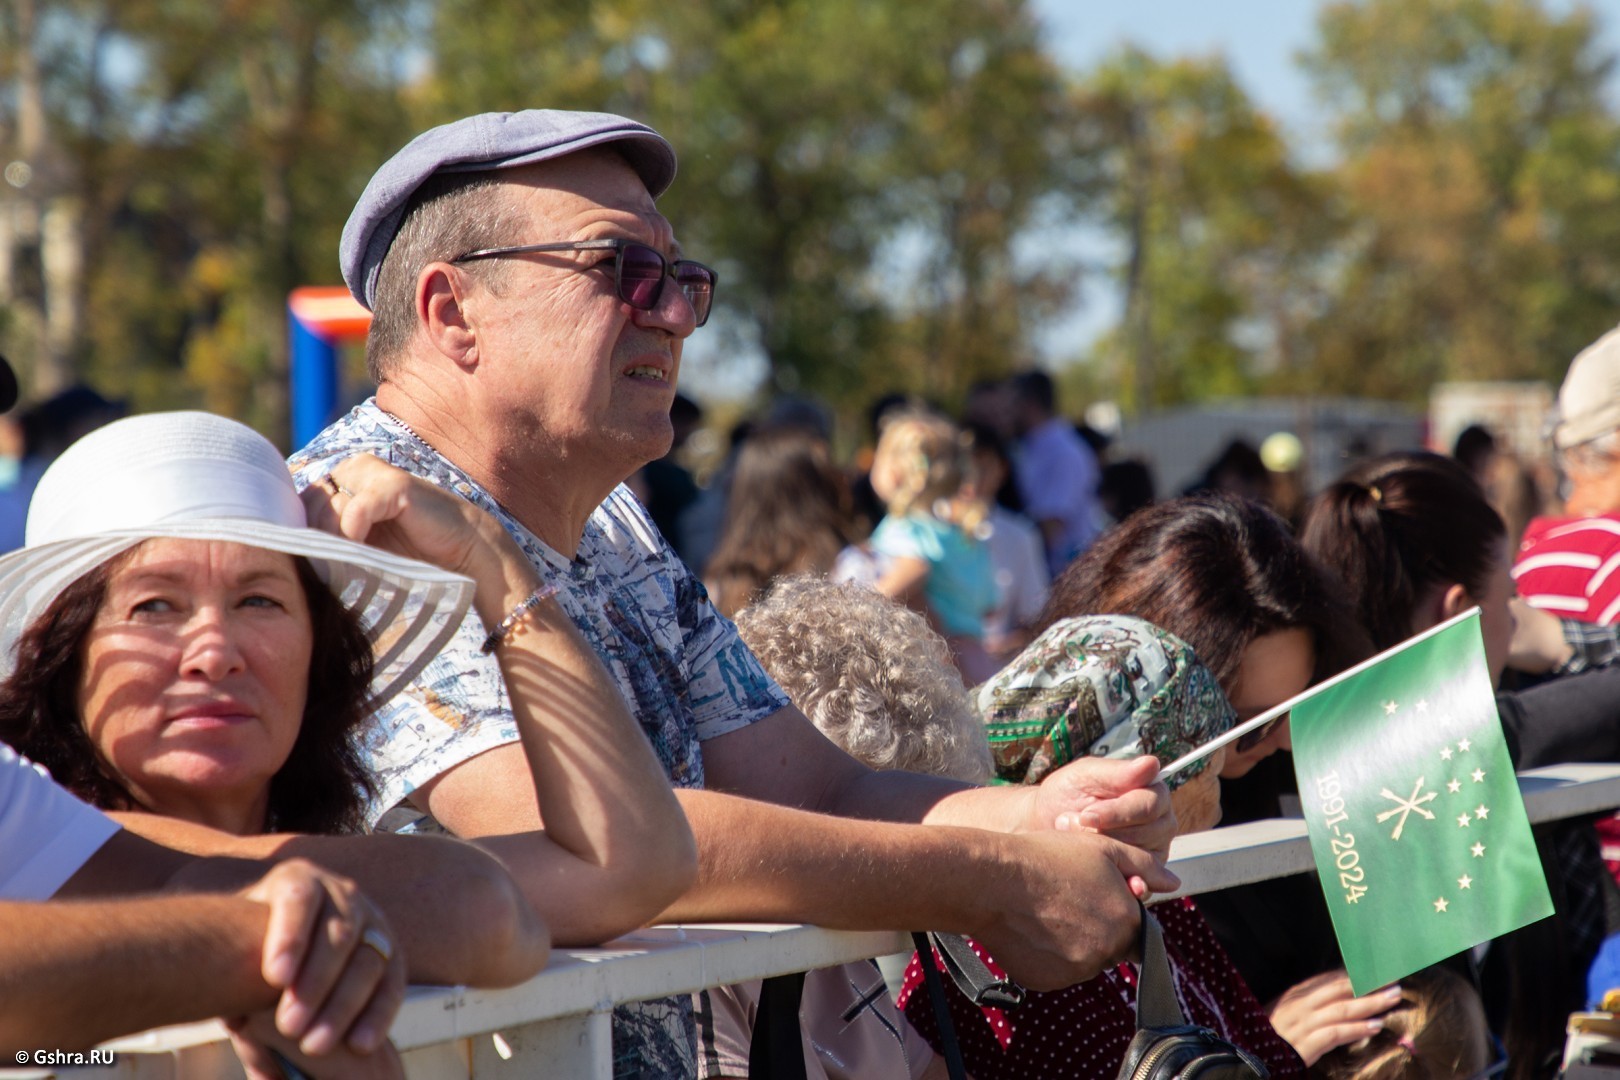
(484, 670)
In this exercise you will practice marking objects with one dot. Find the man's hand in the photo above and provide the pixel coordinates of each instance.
(1062, 913)
(1120, 799)
(1323, 1012)
(330, 951)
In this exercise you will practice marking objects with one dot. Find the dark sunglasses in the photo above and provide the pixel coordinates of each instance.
(1259, 735)
(638, 272)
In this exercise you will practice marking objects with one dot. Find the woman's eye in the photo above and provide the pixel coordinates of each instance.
(261, 601)
(152, 605)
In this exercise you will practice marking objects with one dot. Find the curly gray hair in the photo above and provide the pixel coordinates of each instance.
(870, 674)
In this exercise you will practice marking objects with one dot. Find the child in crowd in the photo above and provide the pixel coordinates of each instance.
(878, 682)
(935, 560)
(1437, 1032)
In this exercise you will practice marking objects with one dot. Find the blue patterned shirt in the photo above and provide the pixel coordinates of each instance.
(678, 662)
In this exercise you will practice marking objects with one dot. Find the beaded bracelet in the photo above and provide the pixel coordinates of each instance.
(503, 629)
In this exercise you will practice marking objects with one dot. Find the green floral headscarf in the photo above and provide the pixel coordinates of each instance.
(1103, 686)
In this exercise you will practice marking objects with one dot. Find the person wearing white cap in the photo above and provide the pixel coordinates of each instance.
(1567, 564)
(527, 341)
(178, 641)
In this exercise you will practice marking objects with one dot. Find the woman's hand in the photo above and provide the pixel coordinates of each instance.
(266, 1056)
(367, 500)
(330, 951)
(1322, 1013)
(1538, 645)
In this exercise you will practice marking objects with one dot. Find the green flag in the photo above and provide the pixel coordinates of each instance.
(1413, 809)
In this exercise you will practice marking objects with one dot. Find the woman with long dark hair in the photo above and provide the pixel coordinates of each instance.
(788, 512)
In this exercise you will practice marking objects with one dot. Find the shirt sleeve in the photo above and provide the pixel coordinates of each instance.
(456, 709)
(900, 538)
(46, 835)
(727, 686)
(1595, 646)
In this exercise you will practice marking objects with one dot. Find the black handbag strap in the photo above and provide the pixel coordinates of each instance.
(777, 1049)
(942, 1011)
(973, 976)
(1156, 1004)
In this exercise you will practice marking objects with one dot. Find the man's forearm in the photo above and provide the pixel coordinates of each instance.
(1054, 908)
(761, 862)
(74, 973)
(933, 800)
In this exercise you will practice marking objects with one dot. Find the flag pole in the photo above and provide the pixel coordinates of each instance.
(1271, 714)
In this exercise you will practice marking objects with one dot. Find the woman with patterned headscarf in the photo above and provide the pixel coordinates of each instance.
(1110, 686)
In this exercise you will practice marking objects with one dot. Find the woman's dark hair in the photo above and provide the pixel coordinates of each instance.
(788, 512)
(1398, 526)
(1217, 571)
(322, 787)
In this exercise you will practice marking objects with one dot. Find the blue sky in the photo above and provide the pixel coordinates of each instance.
(1259, 37)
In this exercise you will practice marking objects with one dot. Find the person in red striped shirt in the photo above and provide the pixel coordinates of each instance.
(1570, 565)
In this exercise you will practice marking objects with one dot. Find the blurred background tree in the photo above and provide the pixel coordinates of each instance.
(896, 195)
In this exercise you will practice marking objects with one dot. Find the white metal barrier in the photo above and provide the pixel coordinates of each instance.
(557, 1023)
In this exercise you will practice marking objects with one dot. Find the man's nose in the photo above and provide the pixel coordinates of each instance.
(673, 312)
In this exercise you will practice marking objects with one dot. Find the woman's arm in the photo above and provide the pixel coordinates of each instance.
(455, 911)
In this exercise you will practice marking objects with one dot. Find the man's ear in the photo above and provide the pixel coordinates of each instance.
(441, 313)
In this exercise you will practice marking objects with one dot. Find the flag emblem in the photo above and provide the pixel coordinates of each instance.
(1416, 824)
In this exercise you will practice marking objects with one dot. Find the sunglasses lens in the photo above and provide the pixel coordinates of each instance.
(697, 282)
(641, 276)
(1258, 735)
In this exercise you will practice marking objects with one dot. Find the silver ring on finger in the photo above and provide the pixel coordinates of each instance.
(376, 939)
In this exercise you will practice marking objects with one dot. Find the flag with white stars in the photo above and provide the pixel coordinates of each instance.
(1417, 828)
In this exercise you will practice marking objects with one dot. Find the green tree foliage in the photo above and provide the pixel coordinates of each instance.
(1222, 236)
(859, 172)
(212, 150)
(896, 194)
(1482, 174)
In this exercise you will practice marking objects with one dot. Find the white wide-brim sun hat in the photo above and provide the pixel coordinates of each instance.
(197, 476)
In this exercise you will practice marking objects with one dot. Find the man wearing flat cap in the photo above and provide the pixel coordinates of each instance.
(526, 343)
(1570, 565)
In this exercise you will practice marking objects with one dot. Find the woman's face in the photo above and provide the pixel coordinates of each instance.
(195, 673)
(1275, 667)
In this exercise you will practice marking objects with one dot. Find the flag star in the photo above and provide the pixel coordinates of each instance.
(1463, 746)
(1479, 776)
(1440, 905)
(1463, 821)
(1482, 812)
(1445, 753)
(1389, 708)
(1465, 882)
(1478, 850)
(1454, 786)
(1423, 706)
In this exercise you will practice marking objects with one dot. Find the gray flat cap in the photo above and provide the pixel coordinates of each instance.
(476, 144)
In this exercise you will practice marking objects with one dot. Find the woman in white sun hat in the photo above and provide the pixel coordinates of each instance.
(177, 639)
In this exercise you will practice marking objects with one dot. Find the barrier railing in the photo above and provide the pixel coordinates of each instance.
(557, 1023)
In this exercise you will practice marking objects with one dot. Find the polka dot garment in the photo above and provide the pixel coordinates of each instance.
(1081, 1032)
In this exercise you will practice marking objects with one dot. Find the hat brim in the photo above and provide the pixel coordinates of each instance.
(409, 610)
